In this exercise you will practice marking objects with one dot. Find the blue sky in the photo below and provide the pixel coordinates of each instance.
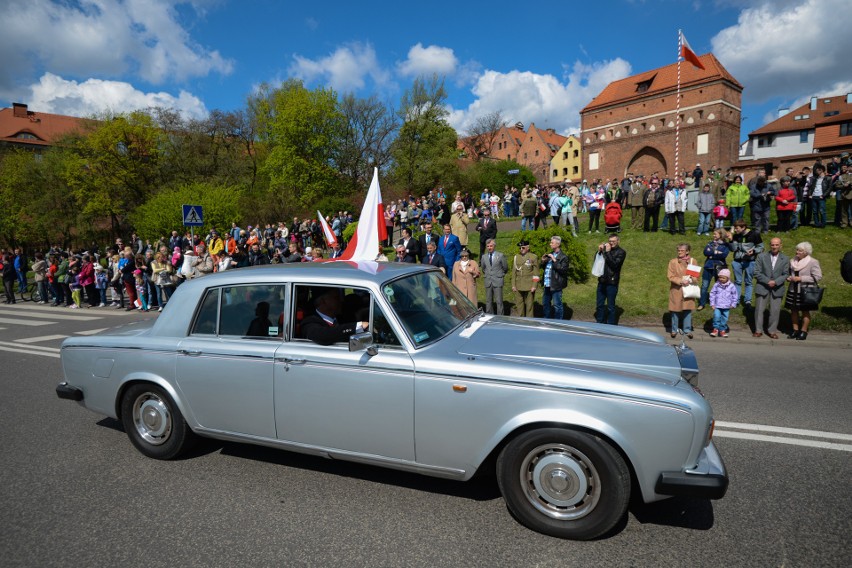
(533, 64)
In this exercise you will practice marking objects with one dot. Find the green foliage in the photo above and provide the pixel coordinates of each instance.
(330, 205)
(162, 213)
(579, 268)
(349, 231)
(494, 175)
(306, 129)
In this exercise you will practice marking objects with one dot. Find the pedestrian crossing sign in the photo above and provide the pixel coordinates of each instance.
(193, 216)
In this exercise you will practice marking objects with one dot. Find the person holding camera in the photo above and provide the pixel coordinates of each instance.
(555, 278)
(614, 257)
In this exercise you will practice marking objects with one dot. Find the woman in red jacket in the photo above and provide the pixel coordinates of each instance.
(785, 204)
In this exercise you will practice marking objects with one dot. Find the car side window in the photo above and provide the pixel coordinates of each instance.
(253, 311)
(348, 305)
(208, 314)
(383, 333)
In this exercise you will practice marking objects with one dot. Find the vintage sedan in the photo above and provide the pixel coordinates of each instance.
(570, 417)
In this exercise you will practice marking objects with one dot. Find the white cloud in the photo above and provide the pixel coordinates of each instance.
(428, 60)
(102, 38)
(544, 99)
(344, 70)
(56, 95)
(789, 50)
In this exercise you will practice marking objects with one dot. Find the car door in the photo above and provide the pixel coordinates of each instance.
(225, 366)
(329, 397)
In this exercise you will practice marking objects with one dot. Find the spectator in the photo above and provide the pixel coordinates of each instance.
(675, 202)
(680, 307)
(772, 269)
(40, 268)
(736, 198)
(746, 245)
(614, 257)
(723, 297)
(554, 278)
(805, 272)
(465, 273)
(449, 247)
(705, 210)
(720, 213)
(785, 205)
(716, 253)
(652, 199)
(818, 189)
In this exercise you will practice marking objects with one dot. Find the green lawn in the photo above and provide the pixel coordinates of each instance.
(643, 293)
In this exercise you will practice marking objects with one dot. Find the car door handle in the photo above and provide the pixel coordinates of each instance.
(290, 361)
(188, 352)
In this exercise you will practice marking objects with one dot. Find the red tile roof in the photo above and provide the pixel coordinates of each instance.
(788, 122)
(662, 79)
(46, 128)
(827, 134)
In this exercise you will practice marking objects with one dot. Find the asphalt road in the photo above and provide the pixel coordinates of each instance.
(76, 493)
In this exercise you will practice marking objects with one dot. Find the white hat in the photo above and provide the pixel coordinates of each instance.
(308, 250)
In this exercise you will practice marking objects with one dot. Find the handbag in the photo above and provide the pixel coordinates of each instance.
(598, 265)
(812, 295)
(691, 292)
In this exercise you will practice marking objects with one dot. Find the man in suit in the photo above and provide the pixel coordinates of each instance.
(494, 268)
(434, 258)
(322, 326)
(335, 250)
(411, 246)
(449, 247)
(424, 239)
(487, 228)
(403, 256)
(771, 271)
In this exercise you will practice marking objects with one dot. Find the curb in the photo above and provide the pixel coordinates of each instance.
(815, 338)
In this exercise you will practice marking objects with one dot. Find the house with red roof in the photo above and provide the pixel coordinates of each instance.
(23, 128)
(631, 126)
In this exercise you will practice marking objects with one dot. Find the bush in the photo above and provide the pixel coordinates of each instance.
(579, 268)
(349, 231)
(330, 205)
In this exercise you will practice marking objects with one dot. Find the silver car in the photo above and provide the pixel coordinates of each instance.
(569, 416)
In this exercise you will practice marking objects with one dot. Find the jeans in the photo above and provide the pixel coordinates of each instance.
(605, 312)
(706, 276)
(746, 267)
(554, 297)
(22, 281)
(527, 223)
(737, 213)
(703, 222)
(686, 315)
(58, 294)
(720, 319)
(760, 218)
(818, 208)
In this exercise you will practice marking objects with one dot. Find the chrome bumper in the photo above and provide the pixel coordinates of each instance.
(709, 480)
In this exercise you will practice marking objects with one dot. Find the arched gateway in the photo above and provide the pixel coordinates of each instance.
(647, 161)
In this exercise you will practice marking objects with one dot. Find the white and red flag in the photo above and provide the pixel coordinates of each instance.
(371, 230)
(330, 237)
(687, 53)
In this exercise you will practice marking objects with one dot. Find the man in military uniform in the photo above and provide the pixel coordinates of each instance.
(633, 198)
(524, 279)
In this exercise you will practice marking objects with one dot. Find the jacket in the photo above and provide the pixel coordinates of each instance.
(675, 200)
(788, 195)
(493, 272)
(558, 272)
(764, 273)
(613, 261)
(716, 253)
(706, 201)
(742, 243)
(737, 195)
(724, 296)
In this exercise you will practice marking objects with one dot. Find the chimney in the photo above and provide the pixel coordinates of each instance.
(813, 103)
(783, 112)
(19, 110)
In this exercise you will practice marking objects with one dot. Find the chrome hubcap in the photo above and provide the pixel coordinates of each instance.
(152, 419)
(560, 481)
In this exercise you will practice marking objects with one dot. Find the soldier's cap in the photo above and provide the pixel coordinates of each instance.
(523, 243)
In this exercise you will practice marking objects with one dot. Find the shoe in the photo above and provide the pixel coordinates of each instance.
(160, 309)
(793, 334)
(42, 302)
(674, 334)
(102, 306)
(802, 335)
(714, 333)
(700, 308)
(689, 335)
(74, 306)
(747, 305)
(757, 334)
(772, 335)
(130, 309)
(723, 334)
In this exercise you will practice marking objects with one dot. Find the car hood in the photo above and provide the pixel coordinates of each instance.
(568, 345)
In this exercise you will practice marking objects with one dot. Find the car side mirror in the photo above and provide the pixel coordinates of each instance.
(363, 341)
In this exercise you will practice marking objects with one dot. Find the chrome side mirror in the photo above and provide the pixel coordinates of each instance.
(363, 341)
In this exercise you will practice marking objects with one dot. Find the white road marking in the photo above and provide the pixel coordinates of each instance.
(28, 352)
(783, 430)
(25, 322)
(95, 312)
(91, 331)
(56, 315)
(783, 440)
(29, 349)
(40, 338)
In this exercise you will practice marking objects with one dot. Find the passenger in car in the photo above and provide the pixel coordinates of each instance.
(260, 325)
(322, 326)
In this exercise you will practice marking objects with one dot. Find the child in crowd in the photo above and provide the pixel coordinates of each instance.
(101, 282)
(723, 297)
(76, 287)
(720, 213)
(141, 293)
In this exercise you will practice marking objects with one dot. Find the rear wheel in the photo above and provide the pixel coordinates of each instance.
(154, 423)
(564, 483)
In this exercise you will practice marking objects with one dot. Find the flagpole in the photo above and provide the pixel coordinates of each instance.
(677, 106)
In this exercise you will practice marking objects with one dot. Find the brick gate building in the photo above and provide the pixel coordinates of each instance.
(630, 126)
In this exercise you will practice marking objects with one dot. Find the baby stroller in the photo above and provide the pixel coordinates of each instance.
(612, 217)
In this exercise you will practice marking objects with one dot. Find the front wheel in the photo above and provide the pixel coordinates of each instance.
(564, 483)
(154, 423)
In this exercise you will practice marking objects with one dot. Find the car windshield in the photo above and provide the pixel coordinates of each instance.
(428, 305)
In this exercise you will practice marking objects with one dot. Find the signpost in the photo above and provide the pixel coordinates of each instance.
(193, 216)
(513, 172)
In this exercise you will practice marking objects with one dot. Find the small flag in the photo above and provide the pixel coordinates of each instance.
(687, 53)
(371, 230)
(693, 270)
(330, 237)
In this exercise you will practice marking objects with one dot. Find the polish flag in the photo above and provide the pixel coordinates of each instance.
(371, 230)
(330, 237)
(687, 53)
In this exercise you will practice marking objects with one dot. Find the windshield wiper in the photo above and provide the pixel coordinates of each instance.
(475, 314)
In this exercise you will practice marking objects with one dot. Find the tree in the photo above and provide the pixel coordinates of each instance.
(495, 175)
(479, 142)
(305, 135)
(425, 150)
(161, 214)
(366, 143)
